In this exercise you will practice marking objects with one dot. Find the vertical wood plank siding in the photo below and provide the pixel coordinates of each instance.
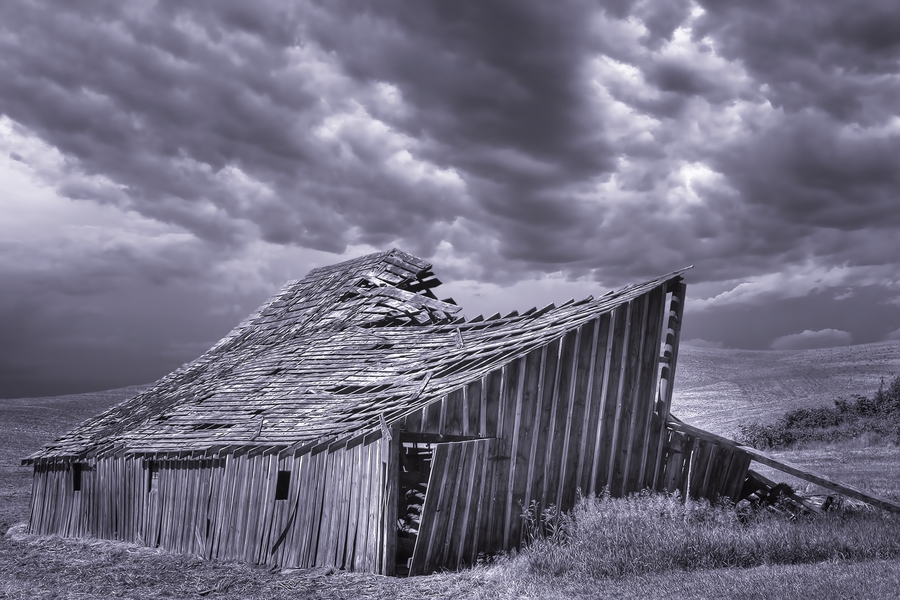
(586, 411)
(341, 509)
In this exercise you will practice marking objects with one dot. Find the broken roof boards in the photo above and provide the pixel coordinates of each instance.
(357, 421)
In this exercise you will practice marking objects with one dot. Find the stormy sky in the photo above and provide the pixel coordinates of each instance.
(166, 166)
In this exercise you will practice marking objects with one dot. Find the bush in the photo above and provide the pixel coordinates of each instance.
(848, 419)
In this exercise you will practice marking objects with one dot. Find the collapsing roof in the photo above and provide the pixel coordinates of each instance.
(343, 350)
(356, 421)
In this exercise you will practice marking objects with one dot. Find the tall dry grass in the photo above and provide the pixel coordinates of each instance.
(650, 533)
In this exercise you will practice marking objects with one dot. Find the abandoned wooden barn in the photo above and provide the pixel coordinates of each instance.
(357, 421)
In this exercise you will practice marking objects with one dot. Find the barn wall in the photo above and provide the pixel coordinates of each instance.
(340, 508)
(343, 510)
(580, 413)
(584, 412)
(702, 468)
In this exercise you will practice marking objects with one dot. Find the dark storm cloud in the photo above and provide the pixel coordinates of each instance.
(504, 139)
(835, 56)
(813, 170)
(165, 98)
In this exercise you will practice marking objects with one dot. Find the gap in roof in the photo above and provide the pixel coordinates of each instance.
(478, 298)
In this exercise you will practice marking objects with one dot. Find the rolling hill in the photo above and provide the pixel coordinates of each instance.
(719, 389)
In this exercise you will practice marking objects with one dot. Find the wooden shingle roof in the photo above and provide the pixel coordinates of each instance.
(335, 354)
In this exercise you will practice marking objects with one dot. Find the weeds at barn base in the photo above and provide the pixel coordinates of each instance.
(606, 537)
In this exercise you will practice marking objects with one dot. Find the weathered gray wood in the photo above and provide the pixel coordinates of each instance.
(794, 470)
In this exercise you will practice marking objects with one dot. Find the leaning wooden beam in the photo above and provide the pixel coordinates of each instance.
(799, 472)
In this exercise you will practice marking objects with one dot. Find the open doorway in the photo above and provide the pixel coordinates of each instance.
(415, 467)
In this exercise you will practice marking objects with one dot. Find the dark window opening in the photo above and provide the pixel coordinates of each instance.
(282, 485)
(152, 474)
(76, 477)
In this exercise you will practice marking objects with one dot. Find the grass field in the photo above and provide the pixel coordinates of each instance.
(718, 390)
(32, 567)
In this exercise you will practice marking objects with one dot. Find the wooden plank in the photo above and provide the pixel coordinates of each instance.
(483, 408)
(391, 501)
(413, 422)
(650, 422)
(643, 398)
(454, 413)
(239, 539)
(675, 455)
(197, 517)
(359, 558)
(431, 421)
(466, 424)
(737, 474)
(355, 474)
(344, 474)
(492, 386)
(591, 417)
(798, 499)
(376, 489)
(557, 412)
(223, 510)
(794, 470)
(616, 385)
(702, 459)
(512, 421)
(479, 519)
(500, 457)
(465, 535)
(299, 529)
(307, 519)
(719, 471)
(573, 452)
(326, 547)
(256, 489)
(185, 525)
(541, 421)
(279, 514)
(605, 409)
(674, 311)
(425, 538)
(217, 466)
(168, 485)
(267, 508)
(442, 540)
(523, 437)
(321, 475)
(630, 393)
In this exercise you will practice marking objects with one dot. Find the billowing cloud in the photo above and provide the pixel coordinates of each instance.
(824, 338)
(208, 146)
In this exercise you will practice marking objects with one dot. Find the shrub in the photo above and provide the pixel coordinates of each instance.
(847, 419)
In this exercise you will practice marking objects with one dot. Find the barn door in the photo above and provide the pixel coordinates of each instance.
(455, 521)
